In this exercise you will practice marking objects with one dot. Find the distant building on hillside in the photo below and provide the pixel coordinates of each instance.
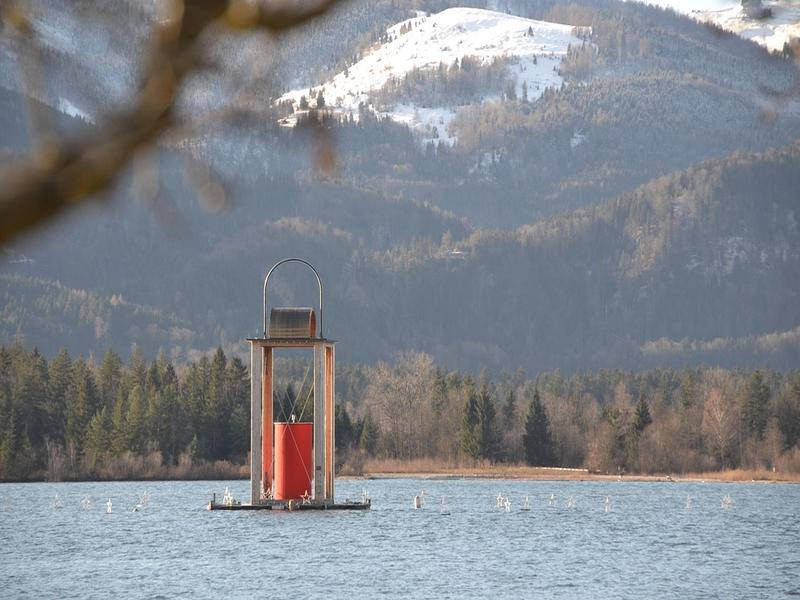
(754, 9)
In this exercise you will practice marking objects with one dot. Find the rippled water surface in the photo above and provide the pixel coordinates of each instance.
(644, 542)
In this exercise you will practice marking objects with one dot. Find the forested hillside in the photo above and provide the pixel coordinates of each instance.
(698, 267)
(642, 214)
(707, 253)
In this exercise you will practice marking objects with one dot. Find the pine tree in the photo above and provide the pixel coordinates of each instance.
(110, 378)
(510, 409)
(238, 391)
(192, 397)
(15, 447)
(172, 438)
(135, 421)
(511, 92)
(98, 437)
(487, 416)
(755, 408)
(81, 403)
(34, 390)
(788, 415)
(537, 438)
(152, 379)
(217, 409)
(438, 396)
(642, 416)
(153, 416)
(119, 441)
(193, 449)
(163, 408)
(688, 392)
(344, 428)
(136, 371)
(59, 379)
(8, 436)
(470, 426)
(370, 435)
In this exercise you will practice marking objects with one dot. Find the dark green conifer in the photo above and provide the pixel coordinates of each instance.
(642, 417)
(755, 408)
(537, 438)
(470, 426)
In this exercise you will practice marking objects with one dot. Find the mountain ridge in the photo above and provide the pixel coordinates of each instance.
(585, 228)
(653, 270)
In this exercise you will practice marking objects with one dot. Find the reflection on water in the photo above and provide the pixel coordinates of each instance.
(546, 539)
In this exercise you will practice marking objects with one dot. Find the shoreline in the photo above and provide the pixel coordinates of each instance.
(568, 474)
(399, 470)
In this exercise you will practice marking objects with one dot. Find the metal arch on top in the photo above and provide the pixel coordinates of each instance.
(266, 282)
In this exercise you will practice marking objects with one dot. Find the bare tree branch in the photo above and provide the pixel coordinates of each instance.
(63, 173)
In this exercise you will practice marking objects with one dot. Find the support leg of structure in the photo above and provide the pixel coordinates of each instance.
(266, 421)
(319, 422)
(255, 423)
(330, 422)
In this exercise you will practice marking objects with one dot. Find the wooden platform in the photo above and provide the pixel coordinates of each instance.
(291, 505)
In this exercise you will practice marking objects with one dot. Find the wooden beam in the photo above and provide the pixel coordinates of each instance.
(256, 362)
(319, 422)
(287, 342)
(266, 420)
(330, 422)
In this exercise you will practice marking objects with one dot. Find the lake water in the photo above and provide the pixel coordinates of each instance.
(643, 543)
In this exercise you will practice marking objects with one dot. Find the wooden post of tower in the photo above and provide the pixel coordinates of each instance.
(256, 385)
(266, 422)
(330, 420)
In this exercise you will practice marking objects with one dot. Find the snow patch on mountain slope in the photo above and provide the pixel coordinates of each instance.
(772, 32)
(535, 50)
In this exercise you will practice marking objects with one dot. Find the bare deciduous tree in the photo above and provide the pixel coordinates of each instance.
(401, 397)
(719, 423)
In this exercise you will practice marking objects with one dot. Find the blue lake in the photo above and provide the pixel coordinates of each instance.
(646, 541)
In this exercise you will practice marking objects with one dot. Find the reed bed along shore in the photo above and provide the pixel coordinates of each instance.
(425, 468)
(150, 467)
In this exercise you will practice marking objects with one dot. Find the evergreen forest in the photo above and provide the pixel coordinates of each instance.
(73, 418)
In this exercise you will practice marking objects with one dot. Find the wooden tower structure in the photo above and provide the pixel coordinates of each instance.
(291, 328)
(294, 327)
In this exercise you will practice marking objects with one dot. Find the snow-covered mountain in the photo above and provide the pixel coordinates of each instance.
(533, 51)
(773, 31)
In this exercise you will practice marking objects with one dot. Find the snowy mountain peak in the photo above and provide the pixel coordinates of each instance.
(534, 49)
(458, 32)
